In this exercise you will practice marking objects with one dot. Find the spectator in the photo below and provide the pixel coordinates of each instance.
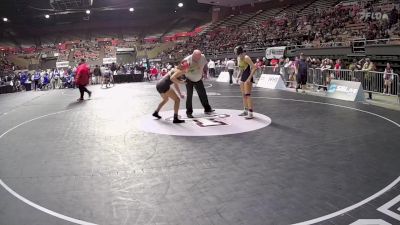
(36, 80)
(369, 79)
(291, 68)
(301, 73)
(113, 68)
(338, 67)
(394, 17)
(154, 72)
(46, 81)
(388, 78)
(97, 74)
(353, 68)
(211, 68)
(164, 72)
(230, 64)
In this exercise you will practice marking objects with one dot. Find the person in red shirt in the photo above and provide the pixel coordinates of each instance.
(154, 72)
(164, 72)
(274, 62)
(82, 78)
(338, 67)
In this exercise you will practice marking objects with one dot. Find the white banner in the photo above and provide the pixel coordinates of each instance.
(346, 90)
(271, 81)
(109, 60)
(275, 52)
(154, 60)
(125, 49)
(63, 64)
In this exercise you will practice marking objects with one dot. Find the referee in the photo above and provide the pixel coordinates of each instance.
(197, 67)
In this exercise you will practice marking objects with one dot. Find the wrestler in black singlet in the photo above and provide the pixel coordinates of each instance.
(164, 84)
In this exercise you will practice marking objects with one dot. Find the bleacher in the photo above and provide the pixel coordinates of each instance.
(216, 25)
(264, 15)
(294, 9)
(318, 5)
(240, 19)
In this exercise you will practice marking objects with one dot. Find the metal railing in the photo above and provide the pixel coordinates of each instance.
(371, 81)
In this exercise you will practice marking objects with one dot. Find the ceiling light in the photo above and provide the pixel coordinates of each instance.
(131, 9)
(5, 19)
(180, 5)
(46, 16)
(88, 11)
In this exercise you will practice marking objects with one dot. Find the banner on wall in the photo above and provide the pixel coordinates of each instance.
(271, 81)
(275, 52)
(346, 90)
(109, 60)
(62, 64)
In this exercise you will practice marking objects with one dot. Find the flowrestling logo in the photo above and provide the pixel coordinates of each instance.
(340, 88)
(206, 120)
(332, 88)
(365, 15)
(222, 122)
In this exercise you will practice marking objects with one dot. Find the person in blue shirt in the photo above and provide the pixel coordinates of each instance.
(46, 81)
(24, 79)
(70, 78)
(36, 79)
(69, 81)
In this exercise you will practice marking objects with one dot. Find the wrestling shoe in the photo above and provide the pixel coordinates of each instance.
(176, 120)
(244, 113)
(155, 114)
(209, 112)
(249, 116)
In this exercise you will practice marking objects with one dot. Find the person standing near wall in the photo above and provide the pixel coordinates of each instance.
(301, 73)
(211, 68)
(231, 69)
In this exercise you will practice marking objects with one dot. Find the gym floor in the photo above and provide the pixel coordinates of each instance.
(317, 161)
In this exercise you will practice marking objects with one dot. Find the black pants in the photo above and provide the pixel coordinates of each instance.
(82, 90)
(36, 84)
(201, 91)
(230, 76)
(301, 80)
(212, 72)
